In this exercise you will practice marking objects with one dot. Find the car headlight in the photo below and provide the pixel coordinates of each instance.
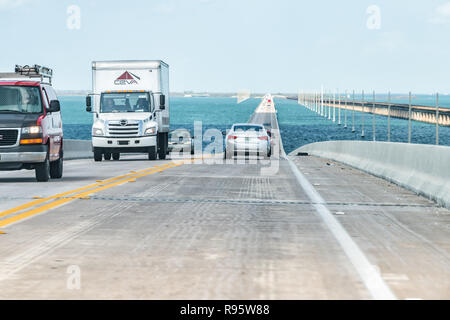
(150, 131)
(97, 132)
(32, 130)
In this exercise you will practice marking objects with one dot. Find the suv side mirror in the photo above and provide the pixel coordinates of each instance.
(54, 106)
(162, 102)
(88, 104)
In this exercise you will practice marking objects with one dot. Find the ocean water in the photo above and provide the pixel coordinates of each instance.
(298, 125)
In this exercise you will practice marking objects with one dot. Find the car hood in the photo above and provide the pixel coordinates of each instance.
(11, 120)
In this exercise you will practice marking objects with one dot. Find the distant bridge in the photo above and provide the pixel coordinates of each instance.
(418, 113)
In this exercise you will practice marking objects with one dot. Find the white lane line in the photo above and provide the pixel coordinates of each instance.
(369, 274)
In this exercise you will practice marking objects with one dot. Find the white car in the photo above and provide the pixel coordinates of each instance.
(247, 139)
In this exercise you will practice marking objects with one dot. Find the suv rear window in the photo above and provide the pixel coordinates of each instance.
(20, 99)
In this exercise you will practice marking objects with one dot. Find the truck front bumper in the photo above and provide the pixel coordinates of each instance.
(25, 157)
(22, 157)
(131, 143)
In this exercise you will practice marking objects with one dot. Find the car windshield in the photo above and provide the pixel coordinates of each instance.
(248, 128)
(125, 102)
(20, 99)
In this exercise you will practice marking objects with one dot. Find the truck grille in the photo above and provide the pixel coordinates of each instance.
(8, 137)
(122, 129)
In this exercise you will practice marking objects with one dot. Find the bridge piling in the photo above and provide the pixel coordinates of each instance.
(353, 113)
(362, 116)
(373, 118)
(437, 119)
(409, 118)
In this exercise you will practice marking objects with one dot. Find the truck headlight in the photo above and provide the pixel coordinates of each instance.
(150, 131)
(97, 132)
(32, 130)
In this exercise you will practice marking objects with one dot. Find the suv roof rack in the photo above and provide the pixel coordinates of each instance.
(35, 71)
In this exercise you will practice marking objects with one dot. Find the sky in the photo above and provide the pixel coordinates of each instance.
(229, 45)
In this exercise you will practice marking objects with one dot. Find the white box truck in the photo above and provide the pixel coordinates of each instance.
(131, 108)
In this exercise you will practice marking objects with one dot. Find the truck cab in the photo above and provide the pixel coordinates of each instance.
(31, 134)
(129, 107)
(125, 123)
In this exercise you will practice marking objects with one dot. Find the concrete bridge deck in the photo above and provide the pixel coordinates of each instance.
(218, 231)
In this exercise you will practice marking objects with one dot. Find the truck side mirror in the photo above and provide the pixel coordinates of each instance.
(88, 104)
(162, 102)
(54, 106)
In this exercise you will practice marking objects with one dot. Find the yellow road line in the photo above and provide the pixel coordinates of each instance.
(60, 195)
(59, 202)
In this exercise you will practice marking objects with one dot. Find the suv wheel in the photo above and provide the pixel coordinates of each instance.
(56, 168)
(43, 171)
(97, 155)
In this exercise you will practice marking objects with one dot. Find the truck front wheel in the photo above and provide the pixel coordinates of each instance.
(163, 141)
(116, 156)
(97, 155)
(43, 171)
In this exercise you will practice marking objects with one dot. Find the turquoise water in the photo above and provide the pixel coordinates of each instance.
(298, 125)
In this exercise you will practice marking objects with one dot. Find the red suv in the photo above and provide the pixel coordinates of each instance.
(31, 135)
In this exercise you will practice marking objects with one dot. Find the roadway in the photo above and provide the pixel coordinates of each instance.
(137, 229)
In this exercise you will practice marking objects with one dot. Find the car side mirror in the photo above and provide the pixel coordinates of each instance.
(224, 132)
(89, 104)
(54, 106)
(162, 102)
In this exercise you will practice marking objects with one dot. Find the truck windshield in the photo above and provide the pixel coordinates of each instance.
(20, 99)
(125, 102)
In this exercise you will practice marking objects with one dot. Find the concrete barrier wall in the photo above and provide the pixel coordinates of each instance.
(424, 169)
(77, 149)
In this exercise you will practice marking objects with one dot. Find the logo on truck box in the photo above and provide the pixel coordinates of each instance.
(126, 78)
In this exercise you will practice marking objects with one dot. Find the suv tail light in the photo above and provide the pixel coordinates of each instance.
(232, 137)
(263, 138)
